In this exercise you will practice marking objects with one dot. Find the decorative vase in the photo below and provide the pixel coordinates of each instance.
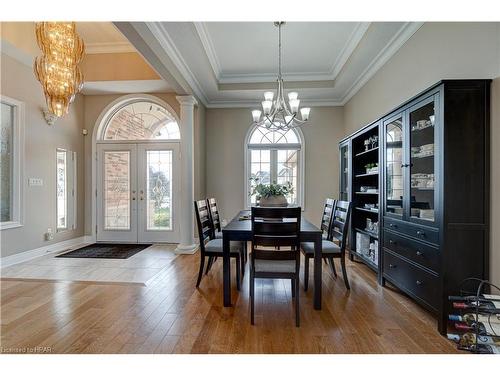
(273, 201)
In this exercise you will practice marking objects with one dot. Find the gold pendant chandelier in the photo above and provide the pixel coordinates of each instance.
(57, 69)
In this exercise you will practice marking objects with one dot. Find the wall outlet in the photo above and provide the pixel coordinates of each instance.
(49, 236)
(35, 181)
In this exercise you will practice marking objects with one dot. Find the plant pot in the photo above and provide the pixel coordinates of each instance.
(273, 201)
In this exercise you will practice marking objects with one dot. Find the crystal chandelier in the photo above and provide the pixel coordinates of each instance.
(57, 69)
(278, 114)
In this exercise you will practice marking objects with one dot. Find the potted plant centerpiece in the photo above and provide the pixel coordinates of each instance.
(272, 195)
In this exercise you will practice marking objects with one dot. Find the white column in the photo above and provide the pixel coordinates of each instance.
(187, 245)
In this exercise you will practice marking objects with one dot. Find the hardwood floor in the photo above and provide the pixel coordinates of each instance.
(171, 316)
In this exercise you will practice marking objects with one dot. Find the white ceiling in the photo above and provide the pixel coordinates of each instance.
(231, 64)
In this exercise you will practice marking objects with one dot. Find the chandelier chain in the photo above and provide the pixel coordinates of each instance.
(279, 50)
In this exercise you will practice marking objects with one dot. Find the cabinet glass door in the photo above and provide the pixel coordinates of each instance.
(394, 187)
(422, 167)
(344, 172)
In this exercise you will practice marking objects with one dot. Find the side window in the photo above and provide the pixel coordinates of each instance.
(11, 161)
(65, 190)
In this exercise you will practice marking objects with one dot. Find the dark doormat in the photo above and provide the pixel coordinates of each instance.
(105, 250)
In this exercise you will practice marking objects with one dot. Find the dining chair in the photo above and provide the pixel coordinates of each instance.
(334, 245)
(326, 224)
(212, 247)
(215, 217)
(275, 250)
(215, 220)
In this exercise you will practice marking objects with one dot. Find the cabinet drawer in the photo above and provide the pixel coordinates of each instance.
(412, 279)
(425, 255)
(414, 230)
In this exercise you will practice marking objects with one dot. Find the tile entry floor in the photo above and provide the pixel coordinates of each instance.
(140, 268)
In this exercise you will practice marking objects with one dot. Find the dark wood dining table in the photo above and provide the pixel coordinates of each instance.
(241, 230)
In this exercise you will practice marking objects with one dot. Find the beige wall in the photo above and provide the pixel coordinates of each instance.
(436, 51)
(21, 35)
(41, 140)
(439, 51)
(94, 105)
(226, 130)
(128, 66)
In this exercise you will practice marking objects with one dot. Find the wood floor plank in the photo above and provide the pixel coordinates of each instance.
(170, 315)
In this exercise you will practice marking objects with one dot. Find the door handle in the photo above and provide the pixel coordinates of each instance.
(419, 253)
(133, 198)
(392, 266)
(419, 282)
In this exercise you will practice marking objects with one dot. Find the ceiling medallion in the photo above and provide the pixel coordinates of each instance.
(278, 114)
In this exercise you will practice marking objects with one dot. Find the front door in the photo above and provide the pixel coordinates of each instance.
(138, 192)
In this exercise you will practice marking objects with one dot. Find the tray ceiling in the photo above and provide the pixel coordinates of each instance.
(231, 64)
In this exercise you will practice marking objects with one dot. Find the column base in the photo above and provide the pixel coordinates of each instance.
(186, 249)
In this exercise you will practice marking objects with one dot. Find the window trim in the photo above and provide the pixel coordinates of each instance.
(71, 192)
(247, 147)
(17, 198)
(132, 99)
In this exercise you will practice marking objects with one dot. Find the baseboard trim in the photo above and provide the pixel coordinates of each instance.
(38, 252)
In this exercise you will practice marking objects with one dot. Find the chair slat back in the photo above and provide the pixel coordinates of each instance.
(340, 223)
(326, 219)
(203, 221)
(274, 228)
(214, 214)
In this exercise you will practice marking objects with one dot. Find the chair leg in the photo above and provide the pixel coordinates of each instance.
(332, 266)
(238, 273)
(200, 272)
(243, 261)
(209, 264)
(344, 273)
(294, 292)
(252, 299)
(297, 307)
(306, 273)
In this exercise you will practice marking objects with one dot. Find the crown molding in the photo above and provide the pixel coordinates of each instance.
(168, 45)
(208, 45)
(118, 47)
(351, 44)
(396, 42)
(330, 75)
(256, 104)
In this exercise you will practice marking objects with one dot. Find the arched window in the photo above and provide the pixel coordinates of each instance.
(141, 119)
(275, 157)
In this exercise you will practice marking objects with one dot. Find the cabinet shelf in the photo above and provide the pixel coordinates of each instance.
(367, 174)
(372, 235)
(365, 193)
(366, 152)
(367, 210)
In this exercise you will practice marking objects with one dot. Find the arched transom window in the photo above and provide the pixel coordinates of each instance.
(275, 157)
(142, 119)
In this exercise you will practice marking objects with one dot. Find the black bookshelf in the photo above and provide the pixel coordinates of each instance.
(365, 192)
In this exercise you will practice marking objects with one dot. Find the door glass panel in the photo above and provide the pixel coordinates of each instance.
(344, 173)
(287, 171)
(117, 190)
(159, 189)
(394, 173)
(260, 167)
(422, 162)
